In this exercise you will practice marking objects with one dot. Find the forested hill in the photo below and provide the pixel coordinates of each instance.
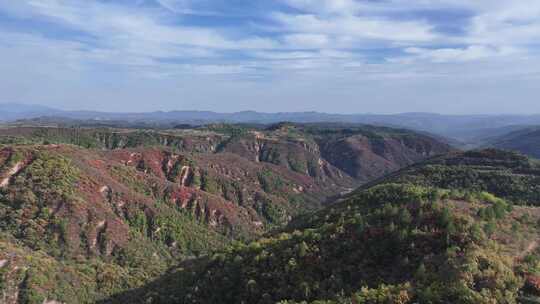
(415, 237)
(509, 175)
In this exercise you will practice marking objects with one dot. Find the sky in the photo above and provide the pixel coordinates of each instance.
(337, 56)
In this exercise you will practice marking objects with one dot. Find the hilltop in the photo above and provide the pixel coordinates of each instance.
(508, 175)
(464, 128)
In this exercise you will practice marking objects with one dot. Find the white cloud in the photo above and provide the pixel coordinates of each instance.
(471, 53)
(301, 41)
(140, 26)
(516, 24)
(136, 32)
(175, 5)
(284, 55)
(325, 6)
(359, 29)
(321, 49)
(328, 55)
(190, 7)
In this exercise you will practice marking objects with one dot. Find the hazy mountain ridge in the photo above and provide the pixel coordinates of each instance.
(525, 140)
(15, 111)
(467, 128)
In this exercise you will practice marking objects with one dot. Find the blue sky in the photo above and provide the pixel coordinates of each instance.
(340, 56)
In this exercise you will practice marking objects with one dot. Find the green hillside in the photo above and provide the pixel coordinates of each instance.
(508, 175)
(411, 238)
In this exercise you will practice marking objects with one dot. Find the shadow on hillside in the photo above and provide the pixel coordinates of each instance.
(161, 290)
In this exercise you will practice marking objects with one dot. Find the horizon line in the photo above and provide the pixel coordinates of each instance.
(52, 108)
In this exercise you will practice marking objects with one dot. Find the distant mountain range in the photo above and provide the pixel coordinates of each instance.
(469, 129)
(14, 111)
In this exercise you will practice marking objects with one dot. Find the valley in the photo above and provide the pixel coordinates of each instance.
(402, 239)
(88, 213)
(284, 213)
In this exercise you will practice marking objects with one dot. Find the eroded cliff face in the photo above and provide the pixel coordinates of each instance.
(297, 155)
(339, 155)
(89, 201)
(335, 155)
(205, 183)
